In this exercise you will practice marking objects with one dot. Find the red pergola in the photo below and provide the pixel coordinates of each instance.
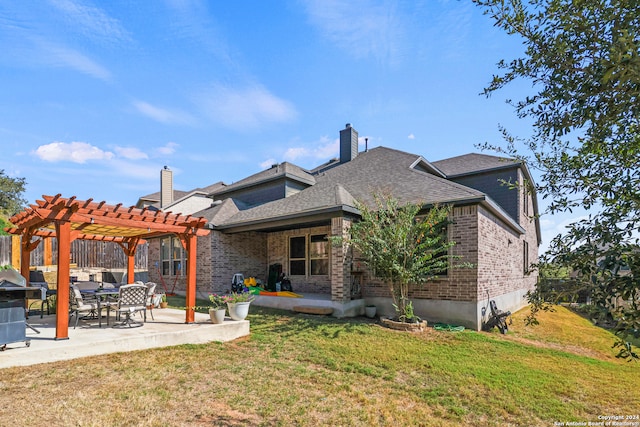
(71, 219)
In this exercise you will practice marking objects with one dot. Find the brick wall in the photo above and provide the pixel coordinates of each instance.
(483, 240)
(460, 283)
(278, 253)
(501, 258)
(203, 267)
(341, 263)
(244, 253)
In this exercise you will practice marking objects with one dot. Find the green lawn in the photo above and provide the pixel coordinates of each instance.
(305, 370)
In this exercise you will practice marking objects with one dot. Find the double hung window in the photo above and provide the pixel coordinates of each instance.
(319, 255)
(310, 252)
(297, 256)
(173, 256)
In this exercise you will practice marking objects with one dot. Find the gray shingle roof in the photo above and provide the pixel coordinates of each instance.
(379, 170)
(386, 170)
(211, 188)
(178, 194)
(473, 163)
(284, 169)
(219, 212)
(155, 197)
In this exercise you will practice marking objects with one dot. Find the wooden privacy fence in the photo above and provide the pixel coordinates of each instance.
(84, 253)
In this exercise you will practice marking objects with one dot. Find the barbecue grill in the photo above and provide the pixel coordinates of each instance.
(14, 293)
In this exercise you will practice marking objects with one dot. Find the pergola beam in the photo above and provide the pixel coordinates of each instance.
(70, 219)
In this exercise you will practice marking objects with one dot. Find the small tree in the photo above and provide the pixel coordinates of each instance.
(11, 201)
(11, 189)
(400, 247)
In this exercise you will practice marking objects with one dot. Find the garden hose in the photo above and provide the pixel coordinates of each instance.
(449, 328)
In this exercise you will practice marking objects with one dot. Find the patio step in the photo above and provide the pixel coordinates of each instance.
(312, 309)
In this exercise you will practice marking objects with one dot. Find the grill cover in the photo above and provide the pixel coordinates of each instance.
(14, 286)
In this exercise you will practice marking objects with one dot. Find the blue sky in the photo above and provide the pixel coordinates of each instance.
(96, 97)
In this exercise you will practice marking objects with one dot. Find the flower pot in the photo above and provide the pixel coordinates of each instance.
(238, 310)
(370, 311)
(217, 314)
(164, 304)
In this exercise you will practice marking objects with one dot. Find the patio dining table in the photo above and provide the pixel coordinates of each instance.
(105, 297)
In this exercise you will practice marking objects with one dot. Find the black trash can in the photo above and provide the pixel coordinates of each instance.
(274, 274)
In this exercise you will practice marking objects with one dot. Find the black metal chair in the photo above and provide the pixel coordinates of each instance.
(36, 278)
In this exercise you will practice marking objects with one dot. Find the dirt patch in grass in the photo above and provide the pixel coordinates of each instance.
(225, 417)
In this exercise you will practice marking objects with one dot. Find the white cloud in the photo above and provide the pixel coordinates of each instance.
(91, 21)
(268, 163)
(42, 35)
(559, 223)
(160, 114)
(248, 107)
(168, 149)
(76, 152)
(192, 21)
(552, 225)
(363, 28)
(131, 153)
(60, 56)
(294, 153)
(411, 136)
(324, 148)
(137, 170)
(327, 148)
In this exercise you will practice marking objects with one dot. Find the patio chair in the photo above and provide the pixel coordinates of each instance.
(131, 299)
(152, 298)
(36, 279)
(80, 304)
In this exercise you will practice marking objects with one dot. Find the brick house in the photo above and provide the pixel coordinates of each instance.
(282, 215)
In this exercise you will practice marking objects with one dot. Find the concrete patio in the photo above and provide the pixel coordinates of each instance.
(168, 329)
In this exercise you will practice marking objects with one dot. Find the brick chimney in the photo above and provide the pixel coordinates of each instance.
(166, 187)
(348, 143)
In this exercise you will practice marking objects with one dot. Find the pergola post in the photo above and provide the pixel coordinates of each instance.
(131, 263)
(130, 251)
(191, 243)
(25, 255)
(63, 232)
(26, 247)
